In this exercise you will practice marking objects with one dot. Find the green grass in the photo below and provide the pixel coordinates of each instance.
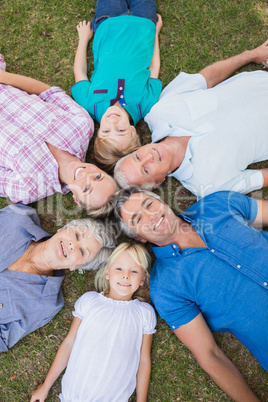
(39, 39)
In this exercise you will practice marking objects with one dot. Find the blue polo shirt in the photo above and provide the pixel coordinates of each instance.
(123, 49)
(227, 281)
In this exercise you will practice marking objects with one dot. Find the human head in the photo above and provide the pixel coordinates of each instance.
(102, 234)
(107, 151)
(141, 257)
(146, 167)
(92, 188)
(115, 126)
(144, 216)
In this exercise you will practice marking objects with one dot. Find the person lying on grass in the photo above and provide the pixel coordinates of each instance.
(210, 274)
(124, 84)
(32, 263)
(43, 144)
(108, 348)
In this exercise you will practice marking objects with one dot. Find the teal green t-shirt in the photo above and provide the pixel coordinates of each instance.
(123, 50)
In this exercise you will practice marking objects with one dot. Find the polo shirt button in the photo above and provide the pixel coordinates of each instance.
(122, 96)
(174, 246)
(264, 283)
(1, 305)
(124, 104)
(173, 253)
(173, 326)
(213, 251)
(238, 266)
(121, 88)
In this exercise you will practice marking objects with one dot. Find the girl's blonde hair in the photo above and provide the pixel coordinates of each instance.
(140, 255)
(107, 154)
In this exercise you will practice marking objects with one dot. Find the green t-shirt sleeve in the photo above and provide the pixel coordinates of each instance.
(80, 93)
(152, 95)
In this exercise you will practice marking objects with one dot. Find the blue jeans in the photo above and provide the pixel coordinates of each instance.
(113, 8)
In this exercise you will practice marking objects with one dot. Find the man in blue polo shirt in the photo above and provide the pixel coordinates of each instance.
(210, 274)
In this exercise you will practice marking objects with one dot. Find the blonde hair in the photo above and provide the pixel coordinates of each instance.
(105, 210)
(107, 153)
(140, 255)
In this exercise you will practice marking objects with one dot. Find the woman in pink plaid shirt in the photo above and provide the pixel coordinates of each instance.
(43, 144)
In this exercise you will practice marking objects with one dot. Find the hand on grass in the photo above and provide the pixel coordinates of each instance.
(40, 394)
(260, 53)
(159, 23)
(85, 31)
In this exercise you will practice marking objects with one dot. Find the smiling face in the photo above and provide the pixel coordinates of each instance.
(151, 219)
(125, 276)
(149, 164)
(70, 247)
(91, 185)
(116, 127)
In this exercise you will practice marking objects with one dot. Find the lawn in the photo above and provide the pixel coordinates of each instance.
(39, 39)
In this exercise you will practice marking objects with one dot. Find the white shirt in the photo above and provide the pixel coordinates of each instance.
(228, 125)
(106, 353)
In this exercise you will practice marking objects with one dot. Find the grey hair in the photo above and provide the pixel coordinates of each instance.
(122, 198)
(103, 234)
(122, 180)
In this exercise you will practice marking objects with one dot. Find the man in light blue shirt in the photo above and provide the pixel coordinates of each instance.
(206, 131)
(210, 274)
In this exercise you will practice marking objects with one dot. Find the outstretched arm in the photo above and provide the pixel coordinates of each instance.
(59, 364)
(85, 34)
(155, 63)
(218, 72)
(27, 84)
(198, 338)
(262, 215)
(144, 370)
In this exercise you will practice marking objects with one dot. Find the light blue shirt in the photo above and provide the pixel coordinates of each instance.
(27, 301)
(228, 125)
(227, 281)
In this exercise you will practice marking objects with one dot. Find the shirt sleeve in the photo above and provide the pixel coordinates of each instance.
(13, 186)
(184, 83)
(175, 309)
(247, 181)
(150, 320)
(231, 203)
(150, 99)
(83, 304)
(80, 93)
(240, 204)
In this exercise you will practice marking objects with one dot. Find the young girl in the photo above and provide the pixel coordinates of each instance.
(124, 85)
(107, 350)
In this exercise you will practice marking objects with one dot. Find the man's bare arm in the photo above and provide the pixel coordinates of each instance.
(198, 338)
(218, 72)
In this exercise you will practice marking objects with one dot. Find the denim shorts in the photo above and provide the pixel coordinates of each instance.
(113, 8)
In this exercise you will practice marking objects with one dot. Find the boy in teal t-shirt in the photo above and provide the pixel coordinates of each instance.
(124, 85)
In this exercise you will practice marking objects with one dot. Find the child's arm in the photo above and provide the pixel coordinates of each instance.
(155, 63)
(27, 84)
(144, 370)
(85, 33)
(59, 364)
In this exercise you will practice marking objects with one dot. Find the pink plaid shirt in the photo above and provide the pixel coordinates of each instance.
(28, 170)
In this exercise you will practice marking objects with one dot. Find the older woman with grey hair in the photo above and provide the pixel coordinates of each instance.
(31, 264)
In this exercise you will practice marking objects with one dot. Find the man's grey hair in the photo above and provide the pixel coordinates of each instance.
(103, 234)
(122, 180)
(122, 198)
